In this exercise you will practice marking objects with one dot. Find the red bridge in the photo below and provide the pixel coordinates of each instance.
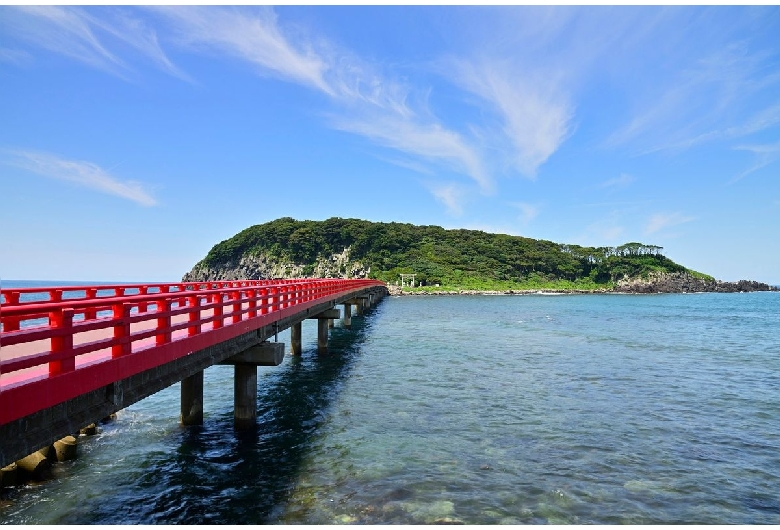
(70, 356)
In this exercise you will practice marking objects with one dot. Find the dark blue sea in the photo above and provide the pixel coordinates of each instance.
(532, 409)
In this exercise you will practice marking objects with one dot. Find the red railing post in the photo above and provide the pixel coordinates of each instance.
(121, 317)
(163, 322)
(216, 298)
(11, 323)
(236, 297)
(252, 294)
(193, 315)
(143, 307)
(263, 301)
(90, 313)
(62, 342)
(274, 299)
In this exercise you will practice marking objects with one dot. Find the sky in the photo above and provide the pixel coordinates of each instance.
(133, 139)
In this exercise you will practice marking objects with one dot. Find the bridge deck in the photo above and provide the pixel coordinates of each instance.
(79, 339)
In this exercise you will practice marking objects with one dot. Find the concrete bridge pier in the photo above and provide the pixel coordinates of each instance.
(322, 335)
(245, 379)
(295, 339)
(347, 315)
(192, 399)
(323, 324)
(245, 396)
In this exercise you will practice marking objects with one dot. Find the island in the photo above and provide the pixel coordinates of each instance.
(415, 259)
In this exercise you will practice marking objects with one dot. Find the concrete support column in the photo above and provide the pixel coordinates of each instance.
(360, 302)
(322, 335)
(331, 323)
(295, 339)
(245, 396)
(192, 400)
(347, 315)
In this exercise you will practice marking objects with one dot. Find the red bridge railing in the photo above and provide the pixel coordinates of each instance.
(59, 342)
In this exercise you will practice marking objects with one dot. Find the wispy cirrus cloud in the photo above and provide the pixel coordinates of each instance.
(764, 155)
(663, 220)
(252, 36)
(536, 116)
(365, 102)
(608, 230)
(92, 40)
(429, 141)
(528, 212)
(761, 120)
(622, 181)
(81, 173)
(8, 55)
(451, 195)
(699, 103)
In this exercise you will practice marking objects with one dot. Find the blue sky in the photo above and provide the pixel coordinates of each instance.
(135, 138)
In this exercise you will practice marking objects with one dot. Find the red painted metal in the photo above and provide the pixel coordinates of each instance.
(79, 339)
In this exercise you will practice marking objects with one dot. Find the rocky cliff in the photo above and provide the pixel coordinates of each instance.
(681, 282)
(261, 266)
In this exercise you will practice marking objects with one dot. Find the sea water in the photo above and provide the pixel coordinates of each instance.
(571, 409)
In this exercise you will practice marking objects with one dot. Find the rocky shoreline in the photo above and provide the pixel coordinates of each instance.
(654, 284)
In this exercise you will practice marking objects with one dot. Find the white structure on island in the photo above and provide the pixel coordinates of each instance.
(405, 278)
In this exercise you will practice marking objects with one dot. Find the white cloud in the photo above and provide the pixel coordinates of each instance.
(618, 182)
(8, 55)
(409, 164)
(528, 212)
(765, 155)
(702, 102)
(429, 141)
(73, 32)
(536, 117)
(661, 221)
(606, 230)
(366, 102)
(82, 173)
(251, 36)
(65, 30)
(451, 195)
(137, 34)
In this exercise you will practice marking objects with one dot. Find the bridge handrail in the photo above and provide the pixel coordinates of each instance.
(28, 307)
(10, 297)
(257, 303)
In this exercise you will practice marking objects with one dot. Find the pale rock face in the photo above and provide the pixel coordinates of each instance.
(262, 266)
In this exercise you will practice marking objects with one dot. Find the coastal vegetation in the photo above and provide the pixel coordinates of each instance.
(446, 259)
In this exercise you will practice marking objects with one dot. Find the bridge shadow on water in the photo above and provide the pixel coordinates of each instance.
(213, 474)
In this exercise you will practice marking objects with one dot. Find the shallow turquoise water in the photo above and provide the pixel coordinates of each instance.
(651, 409)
